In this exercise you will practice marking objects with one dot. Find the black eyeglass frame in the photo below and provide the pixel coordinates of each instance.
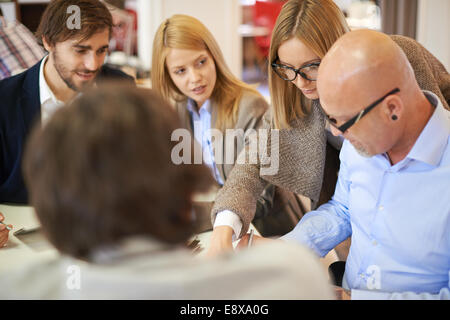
(296, 71)
(344, 127)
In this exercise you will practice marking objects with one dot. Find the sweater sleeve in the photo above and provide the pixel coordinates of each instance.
(243, 186)
(430, 74)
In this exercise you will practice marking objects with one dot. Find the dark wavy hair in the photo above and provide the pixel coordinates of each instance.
(101, 171)
(94, 17)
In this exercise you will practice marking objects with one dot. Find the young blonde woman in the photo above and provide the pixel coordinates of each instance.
(303, 33)
(189, 70)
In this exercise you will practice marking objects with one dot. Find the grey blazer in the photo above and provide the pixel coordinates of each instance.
(251, 110)
(302, 148)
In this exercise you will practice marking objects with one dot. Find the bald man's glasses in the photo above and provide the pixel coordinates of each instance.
(344, 127)
(308, 72)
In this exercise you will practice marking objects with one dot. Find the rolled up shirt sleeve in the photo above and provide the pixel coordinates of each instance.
(231, 219)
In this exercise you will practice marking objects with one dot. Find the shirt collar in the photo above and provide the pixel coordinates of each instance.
(191, 106)
(433, 140)
(45, 92)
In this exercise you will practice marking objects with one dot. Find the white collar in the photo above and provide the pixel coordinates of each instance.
(432, 141)
(45, 92)
(192, 106)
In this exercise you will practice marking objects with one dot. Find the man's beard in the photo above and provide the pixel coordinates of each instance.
(360, 149)
(64, 74)
(363, 152)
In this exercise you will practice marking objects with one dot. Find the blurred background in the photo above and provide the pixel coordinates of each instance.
(243, 27)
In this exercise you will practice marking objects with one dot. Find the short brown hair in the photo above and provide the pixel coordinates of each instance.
(100, 171)
(95, 17)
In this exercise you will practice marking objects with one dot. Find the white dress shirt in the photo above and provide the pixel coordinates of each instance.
(201, 125)
(49, 103)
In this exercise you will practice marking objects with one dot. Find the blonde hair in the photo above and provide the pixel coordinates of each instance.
(186, 32)
(318, 24)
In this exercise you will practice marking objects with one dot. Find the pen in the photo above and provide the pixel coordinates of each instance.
(250, 239)
(8, 228)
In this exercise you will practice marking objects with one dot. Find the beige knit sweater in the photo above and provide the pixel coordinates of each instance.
(302, 148)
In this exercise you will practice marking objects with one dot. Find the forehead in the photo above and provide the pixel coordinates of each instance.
(342, 102)
(181, 57)
(295, 52)
(96, 41)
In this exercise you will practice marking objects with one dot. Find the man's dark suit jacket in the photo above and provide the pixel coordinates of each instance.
(20, 108)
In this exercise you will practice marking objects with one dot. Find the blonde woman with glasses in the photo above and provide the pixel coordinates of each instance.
(304, 32)
(189, 70)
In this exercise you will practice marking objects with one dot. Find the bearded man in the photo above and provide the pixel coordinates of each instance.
(76, 36)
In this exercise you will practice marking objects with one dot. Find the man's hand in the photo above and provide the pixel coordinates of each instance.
(4, 233)
(341, 293)
(221, 241)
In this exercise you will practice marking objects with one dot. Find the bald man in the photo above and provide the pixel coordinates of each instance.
(393, 191)
(394, 183)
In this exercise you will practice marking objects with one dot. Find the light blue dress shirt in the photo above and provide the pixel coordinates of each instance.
(398, 217)
(201, 124)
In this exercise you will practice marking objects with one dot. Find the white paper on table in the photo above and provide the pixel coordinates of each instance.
(23, 218)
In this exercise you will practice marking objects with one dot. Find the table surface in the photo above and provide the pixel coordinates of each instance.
(32, 247)
(25, 248)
